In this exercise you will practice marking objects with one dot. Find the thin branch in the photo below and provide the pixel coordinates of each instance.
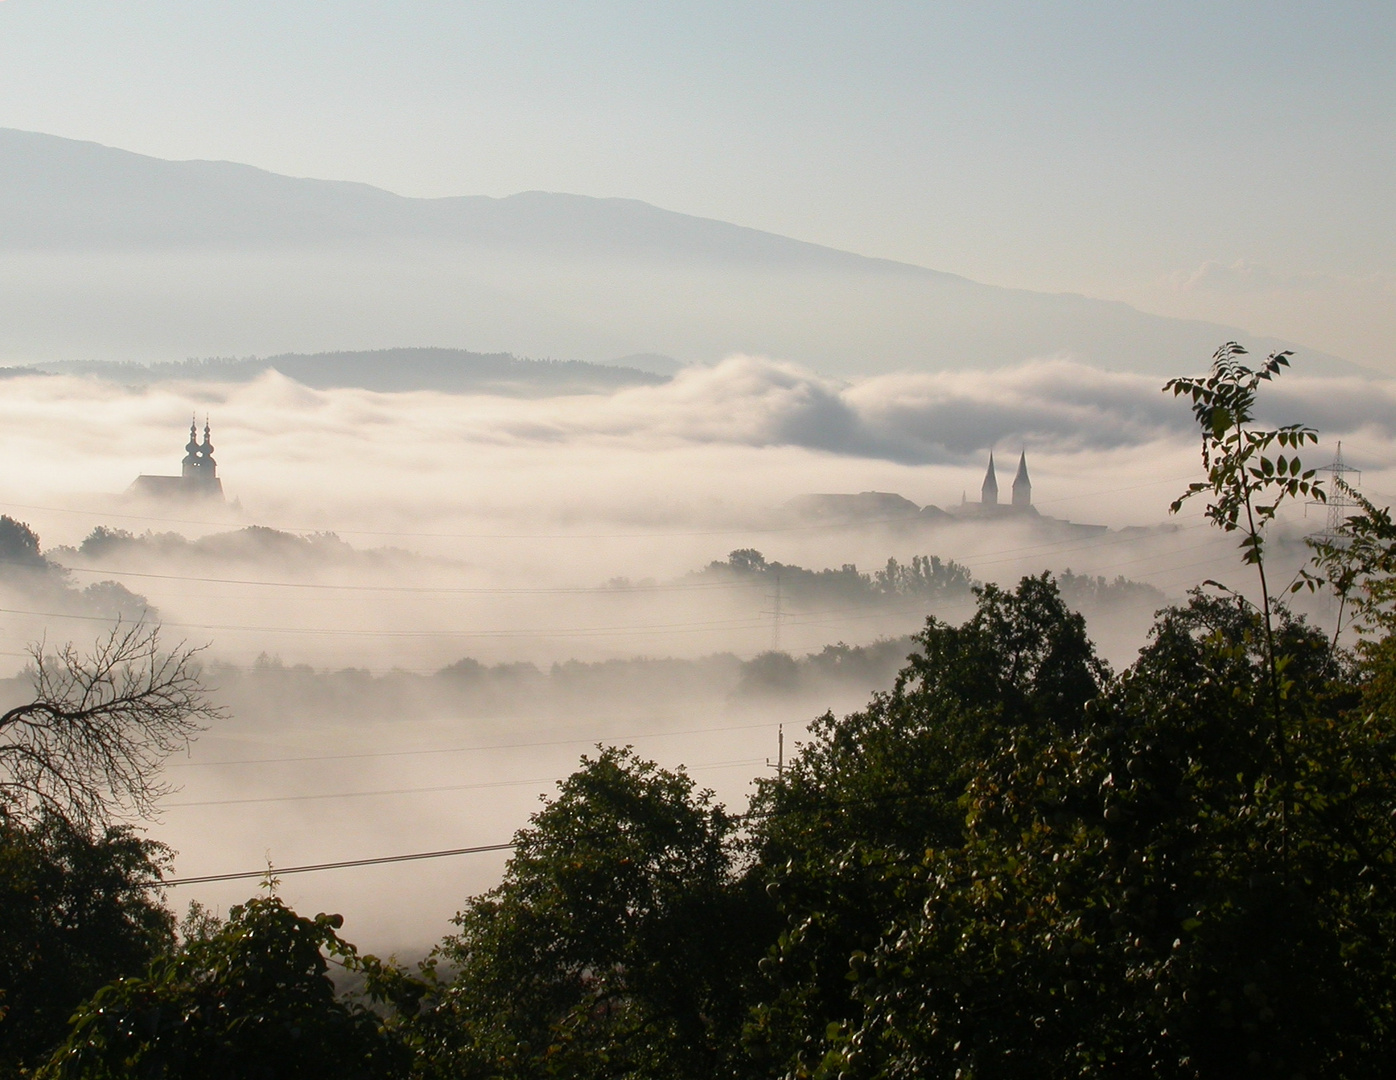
(90, 745)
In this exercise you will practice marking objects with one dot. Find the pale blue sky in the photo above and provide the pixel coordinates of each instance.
(1229, 161)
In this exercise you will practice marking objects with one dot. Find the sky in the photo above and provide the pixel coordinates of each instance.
(1222, 161)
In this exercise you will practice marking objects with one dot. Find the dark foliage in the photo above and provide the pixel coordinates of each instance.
(251, 1000)
(1012, 865)
(841, 837)
(926, 577)
(611, 947)
(19, 544)
(76, 912)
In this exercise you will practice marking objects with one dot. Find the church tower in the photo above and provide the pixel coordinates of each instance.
(1022, 486)
(198, 474)
(208, 467)
(190, 466)
(989, 493)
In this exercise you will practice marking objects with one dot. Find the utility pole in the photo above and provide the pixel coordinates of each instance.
(776, 614)
(780, 753)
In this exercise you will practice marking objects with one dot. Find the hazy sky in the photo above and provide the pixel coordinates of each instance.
(1227, 161)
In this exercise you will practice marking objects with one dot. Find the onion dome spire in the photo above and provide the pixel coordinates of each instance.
(191, 456)
(209, 466)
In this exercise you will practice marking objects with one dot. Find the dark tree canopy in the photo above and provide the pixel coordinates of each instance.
(610, 948)
(19, 544)
(251, 1000)
(841, 834)
(76, 912)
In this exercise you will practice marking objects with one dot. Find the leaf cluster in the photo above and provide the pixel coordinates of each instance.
(76, 912)
(607, 950)
(1246, 483)
(252, 1000)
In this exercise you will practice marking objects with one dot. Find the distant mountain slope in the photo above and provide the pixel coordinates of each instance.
(450, 370)
(61, 194)
(111, 255)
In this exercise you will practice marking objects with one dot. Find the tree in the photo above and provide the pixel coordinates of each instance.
(1359, 565)
(610, 947)
(19, 544)
(841, 837)
(250, 1000)
(1123, 904)
(1247, 488)
(76, 912)
(89, 746)
(1185, 871)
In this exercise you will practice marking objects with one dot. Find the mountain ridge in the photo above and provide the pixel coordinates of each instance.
(105, 253)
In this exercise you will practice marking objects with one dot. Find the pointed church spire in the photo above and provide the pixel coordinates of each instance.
(989, 493)
(1022, 486)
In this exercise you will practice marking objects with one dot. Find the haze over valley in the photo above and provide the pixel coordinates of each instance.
(420, 607)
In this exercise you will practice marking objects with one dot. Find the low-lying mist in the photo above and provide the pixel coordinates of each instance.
(420, 608)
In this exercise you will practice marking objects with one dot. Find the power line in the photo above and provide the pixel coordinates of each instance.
(418, 791)
(776, 613)
(737, 623)
(614, 590)
(244, 875)
(466, 749)
(773, 529)
(272, 871)
(650, 534)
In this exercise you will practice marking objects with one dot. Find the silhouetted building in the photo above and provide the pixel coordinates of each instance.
(198, 477)
(989, 506)
(892, 511)
(1022, 486)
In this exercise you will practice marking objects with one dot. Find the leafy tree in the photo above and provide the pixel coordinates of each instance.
(1124, 903)
(1359, 564)
(76, 912)
(19, 544)
(1184, 871)
(1247, 487)
(840, 837)
(926, 576)
(251, 999)
(610, 948)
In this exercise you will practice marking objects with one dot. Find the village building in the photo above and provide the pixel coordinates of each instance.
(989, 506)
(198, 479)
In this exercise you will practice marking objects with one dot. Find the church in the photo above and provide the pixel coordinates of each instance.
(198, 479)
(989, 505)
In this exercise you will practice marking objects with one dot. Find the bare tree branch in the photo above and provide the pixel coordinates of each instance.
(90, 746)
